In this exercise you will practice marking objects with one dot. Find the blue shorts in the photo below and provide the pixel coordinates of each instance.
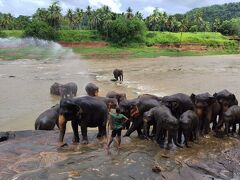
(117, 132)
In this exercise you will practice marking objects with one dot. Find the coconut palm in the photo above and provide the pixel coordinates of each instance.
(79, 17)
(70, 17)
(54, 14)
(198, 20)
(183, 27)
(129, 13)
(139, 15)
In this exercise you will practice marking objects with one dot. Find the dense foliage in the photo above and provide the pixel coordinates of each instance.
(41, 30)
(126, 27)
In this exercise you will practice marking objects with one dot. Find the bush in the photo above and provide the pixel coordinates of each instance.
(124, 31)
(2, 34)
(41, 30)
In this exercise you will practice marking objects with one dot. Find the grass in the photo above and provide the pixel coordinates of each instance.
(203, 38)
(14, 33)
(142, 52)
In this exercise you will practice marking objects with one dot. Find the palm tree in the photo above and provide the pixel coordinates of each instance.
(54, 15)
(216, 24)
(79, 16)
(154, 20)
(170, 23)
(183, 28)
(198, 20)
(129, 13)
(88, 15)
(41, 14)
(139, 15)
(70, 17)
(6, 21)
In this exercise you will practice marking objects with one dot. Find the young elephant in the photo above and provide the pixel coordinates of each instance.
(92, 89)
(119, 96)
(48, 119)
(118, 73)
(206, 108)
(64, 90)
(84, 111)
(188, 126)
(232, 117)
(165, 123)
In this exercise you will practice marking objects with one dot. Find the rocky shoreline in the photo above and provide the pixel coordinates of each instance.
(36, 155)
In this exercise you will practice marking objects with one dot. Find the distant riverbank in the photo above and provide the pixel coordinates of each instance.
(89, 44)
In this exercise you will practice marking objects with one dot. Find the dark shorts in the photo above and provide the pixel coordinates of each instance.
(117, 132)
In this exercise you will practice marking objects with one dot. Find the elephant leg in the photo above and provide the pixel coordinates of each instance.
(161, 138)
(153, 131)
(62, 126)
(84, 133)
(234, 128)
(180, 135)
(75, 131)
(131, 129)
(186, 138)
(169, 144)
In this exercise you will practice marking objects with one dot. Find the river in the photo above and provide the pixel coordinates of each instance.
(25, 83)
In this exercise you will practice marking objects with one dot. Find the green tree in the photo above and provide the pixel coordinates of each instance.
(71, 18)
(41, 30)
(54, 15)
(129, 13)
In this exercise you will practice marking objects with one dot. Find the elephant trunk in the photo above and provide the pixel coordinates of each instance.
(226, 128)
(175, 139)
(145, 128)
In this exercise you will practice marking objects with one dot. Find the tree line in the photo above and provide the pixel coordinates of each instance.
(121, 26)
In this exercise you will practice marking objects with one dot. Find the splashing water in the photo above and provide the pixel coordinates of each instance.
(32, 48)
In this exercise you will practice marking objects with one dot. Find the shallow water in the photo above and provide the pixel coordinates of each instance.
(25, 95)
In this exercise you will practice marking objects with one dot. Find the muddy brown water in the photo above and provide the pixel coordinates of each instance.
(25, 94)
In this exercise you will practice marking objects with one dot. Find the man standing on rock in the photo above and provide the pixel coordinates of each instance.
(116, 124)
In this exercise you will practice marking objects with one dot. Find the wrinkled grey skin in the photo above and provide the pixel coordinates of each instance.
(118, 74)
(188, 127)
(226, 99)
(92, 89)
(144, 104)
(48, 119)
(84, 111)
(207, 108)
(118, 96)
(166, 124)
(150, 96)
(230, 118)
(178, 103)
(64, 90)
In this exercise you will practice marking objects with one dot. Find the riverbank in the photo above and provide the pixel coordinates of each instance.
(90, 45)
(36, 155)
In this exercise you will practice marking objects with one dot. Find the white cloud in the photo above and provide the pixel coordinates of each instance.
(115, 5)
(40, 3)
(1, 3)
(149, 9)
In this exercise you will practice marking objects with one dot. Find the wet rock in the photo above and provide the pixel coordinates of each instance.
(11, 76)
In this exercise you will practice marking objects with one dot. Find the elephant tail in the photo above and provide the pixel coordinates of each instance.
(175, 141)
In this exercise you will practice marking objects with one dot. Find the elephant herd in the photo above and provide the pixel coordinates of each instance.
(171, 117)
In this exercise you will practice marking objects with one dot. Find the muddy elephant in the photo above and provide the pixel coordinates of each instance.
(119, 96)
(64, 90)
(118, 74)
(48, 119)
(166, 125)
(92, 89)
(134, 110)
(178, 103)
(188, 127)
(85, 112)
(226, 99)
(207, 108)
(231, 118)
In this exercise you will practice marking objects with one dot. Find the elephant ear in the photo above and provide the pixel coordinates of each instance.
(193, 98)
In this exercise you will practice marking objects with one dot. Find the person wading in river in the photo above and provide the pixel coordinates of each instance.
(116, 124)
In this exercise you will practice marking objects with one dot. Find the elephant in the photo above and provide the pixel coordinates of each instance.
(64, 90)
(110, 102)
(226, 99)
(166, 125)
(86, 111)
(150, 96)
(92, 89)
(119, 96)
(135, 109)
(178, 103)
(118, 74)
(188, 126)
(48, 119)
(232, 117)
(207, 108)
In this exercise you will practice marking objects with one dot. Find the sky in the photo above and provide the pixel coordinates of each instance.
(28, 7)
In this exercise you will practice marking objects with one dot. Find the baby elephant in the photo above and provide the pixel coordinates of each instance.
(231, 117)
(166, 124)
(64, 90)
(118, 73)
(188, 126)
(48, 119)
(92, 89)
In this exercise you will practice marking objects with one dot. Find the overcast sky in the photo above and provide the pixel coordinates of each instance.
(28, 7)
